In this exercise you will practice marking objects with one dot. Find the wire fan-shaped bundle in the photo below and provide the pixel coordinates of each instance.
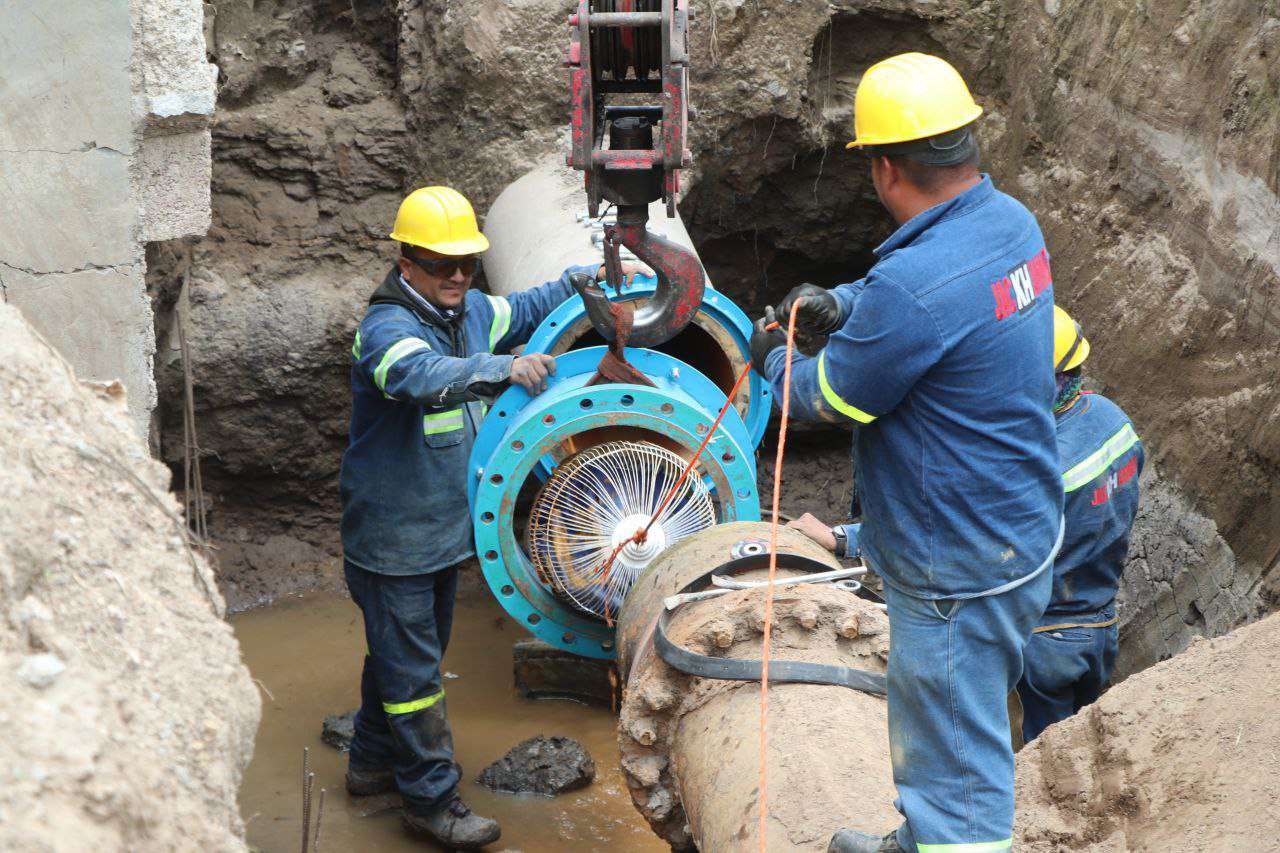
(595, 501)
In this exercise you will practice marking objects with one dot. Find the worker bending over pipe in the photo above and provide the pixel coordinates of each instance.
(1068, 662)
(942, 357)
(427, 354)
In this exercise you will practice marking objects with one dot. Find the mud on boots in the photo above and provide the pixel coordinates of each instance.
(942, 358)
(427, 355)
(1068, 662)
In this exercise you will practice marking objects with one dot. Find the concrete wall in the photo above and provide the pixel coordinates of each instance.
(104, 144)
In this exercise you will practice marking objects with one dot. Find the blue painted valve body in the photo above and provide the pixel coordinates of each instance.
(523, 436)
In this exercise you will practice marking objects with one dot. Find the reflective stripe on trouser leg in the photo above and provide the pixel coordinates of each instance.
(425, 735)
(949, 679)
(402, 620)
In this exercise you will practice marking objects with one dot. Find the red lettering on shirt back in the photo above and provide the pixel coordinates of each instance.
(1005, 306)
(1102, 493)
(1039, 268)
(1022, 285)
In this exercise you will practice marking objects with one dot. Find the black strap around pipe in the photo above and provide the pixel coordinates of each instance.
(743, 669)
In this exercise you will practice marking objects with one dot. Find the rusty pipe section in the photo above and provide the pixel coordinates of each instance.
(690, 746)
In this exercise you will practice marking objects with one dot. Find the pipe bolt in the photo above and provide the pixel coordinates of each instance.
(720, 633)
(807, 615)
(643, 731)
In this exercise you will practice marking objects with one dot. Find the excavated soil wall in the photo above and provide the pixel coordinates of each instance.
(1144, 139)
(128, 715)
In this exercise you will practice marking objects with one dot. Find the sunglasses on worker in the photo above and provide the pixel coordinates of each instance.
(446, 267)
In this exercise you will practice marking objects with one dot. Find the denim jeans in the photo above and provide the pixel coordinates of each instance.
(1065, 669)
(401, 723)
(952, 664)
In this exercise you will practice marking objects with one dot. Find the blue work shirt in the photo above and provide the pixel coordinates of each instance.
(944, 361)
(417, 386)
(1101, 460)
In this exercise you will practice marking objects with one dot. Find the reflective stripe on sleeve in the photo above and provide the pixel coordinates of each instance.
(394, 353)
(415, 705)
(977, 847)
(1098, 461)
(501, 319)
(355, 348)
(442, 422)
(833, 399)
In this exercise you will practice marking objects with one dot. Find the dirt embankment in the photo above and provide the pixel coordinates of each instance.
(128, 716)
(1179, 757)
(1146, 142)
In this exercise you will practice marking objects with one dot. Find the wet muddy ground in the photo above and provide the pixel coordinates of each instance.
(307, 652)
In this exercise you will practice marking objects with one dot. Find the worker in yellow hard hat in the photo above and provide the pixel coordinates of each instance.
(1068, 662)
(427, 355)
(941, 357)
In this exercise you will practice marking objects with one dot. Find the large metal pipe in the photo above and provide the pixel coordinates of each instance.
(690, 746)
(538, 226)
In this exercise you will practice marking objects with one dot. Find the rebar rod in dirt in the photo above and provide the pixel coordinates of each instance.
(307, 776)
(315, 844)
(193, 482)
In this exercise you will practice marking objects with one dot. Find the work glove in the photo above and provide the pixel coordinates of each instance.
(819, 314)
(764, 341)
(531, 371)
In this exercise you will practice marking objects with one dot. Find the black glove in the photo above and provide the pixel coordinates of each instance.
(764, 341)
(818, 314)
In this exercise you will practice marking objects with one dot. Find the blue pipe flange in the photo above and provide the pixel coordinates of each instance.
(719, 317)
(522, 431)
(579, 366)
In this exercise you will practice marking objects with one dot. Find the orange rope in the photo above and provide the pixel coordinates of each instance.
(642, 534)
(773, 570)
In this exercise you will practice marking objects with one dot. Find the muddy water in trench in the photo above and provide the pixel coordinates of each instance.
(308, 652)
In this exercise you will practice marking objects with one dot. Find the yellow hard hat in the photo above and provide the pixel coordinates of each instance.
(907, 97)
(1070, 346)
(439, 219)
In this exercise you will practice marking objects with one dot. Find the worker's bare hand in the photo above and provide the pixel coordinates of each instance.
(811, 526)
(531, 371)
(629, 273)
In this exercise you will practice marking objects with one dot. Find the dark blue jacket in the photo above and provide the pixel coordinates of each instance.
(417, 386)
(1101, 460)
(944, 361)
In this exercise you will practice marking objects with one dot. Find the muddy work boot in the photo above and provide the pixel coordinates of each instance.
(855, 841)
(367, 781)
(454, 825)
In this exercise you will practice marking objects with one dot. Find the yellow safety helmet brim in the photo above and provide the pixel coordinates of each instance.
(1070, 346)
(909, 97)
(439, 219)
(472, 246)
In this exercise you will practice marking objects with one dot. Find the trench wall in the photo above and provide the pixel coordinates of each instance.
(104, 146)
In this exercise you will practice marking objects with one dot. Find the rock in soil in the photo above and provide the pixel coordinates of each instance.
(338, 730)
(541, 765)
